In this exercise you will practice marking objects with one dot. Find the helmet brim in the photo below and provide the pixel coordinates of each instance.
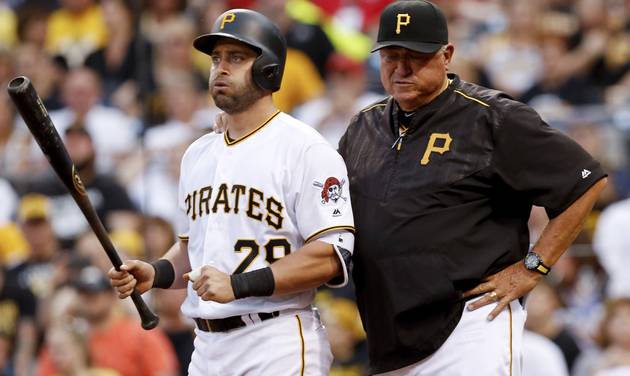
(422, 47)
(205, 43)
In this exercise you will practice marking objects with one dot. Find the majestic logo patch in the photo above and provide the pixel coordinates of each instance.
(585, 173)
(332, 194)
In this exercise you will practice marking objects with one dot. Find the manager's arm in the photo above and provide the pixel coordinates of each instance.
(515, 281)
(562, 230)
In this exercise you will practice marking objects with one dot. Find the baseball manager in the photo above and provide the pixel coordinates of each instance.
(443, 175)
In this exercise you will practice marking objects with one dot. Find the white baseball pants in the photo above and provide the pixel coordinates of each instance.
(477, 346)
(293, 344)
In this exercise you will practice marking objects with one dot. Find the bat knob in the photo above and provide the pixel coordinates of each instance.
(149, 319)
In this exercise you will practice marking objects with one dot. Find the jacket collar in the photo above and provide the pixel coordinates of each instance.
(423, 113)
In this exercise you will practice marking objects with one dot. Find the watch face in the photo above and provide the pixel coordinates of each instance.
(531, 261)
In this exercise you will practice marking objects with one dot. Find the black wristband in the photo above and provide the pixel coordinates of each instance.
(164, 274)
(255, 283)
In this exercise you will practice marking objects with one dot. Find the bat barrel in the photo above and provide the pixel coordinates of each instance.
(30, 106)
(36, 117)
(22, 92)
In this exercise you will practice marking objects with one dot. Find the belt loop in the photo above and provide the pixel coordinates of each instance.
(252, 319)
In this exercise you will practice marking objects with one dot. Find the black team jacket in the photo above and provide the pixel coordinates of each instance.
(445, 205)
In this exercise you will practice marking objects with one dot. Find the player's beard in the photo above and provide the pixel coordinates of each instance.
(241, 98)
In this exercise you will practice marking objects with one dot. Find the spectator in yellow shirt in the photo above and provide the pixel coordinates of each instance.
(300, 84)
(75, 30)
(8, 26)
(13, 247)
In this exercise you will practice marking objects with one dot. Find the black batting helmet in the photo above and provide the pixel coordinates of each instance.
(258, 32)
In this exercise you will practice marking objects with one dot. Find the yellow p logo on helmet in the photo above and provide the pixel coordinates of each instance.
(227, 18)
(402, 19)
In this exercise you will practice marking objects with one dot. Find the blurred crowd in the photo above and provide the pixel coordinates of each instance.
(127, 94)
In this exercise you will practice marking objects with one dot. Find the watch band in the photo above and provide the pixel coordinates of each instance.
(534, 262)
(543, 269)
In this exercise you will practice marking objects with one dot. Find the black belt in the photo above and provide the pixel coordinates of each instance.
(232, 322)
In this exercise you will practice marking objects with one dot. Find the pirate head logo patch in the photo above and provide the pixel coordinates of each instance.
(332, 194)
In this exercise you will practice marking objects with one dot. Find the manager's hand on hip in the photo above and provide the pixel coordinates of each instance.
(133, 274)
(211, 284)
(509, 284)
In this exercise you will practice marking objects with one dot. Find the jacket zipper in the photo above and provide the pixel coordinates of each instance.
(398, 143)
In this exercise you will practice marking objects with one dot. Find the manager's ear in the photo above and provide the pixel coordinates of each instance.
(447, 54)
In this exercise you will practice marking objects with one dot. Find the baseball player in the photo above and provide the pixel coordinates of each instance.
(444, 174)
(267, 216)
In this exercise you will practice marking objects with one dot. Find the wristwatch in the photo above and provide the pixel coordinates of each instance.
(534, 262)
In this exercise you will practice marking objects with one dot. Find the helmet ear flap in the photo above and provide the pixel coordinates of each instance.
(269, 71)
(266, 76)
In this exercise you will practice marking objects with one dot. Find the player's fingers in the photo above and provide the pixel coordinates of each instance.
(198, 283)
(117, 282)
(127, 287)
(480, 289)
(193, 275)
(202, 289)
(115, 274)
(119, 277)
(126, 290)
(500, 307)
(207, 296)
(211, 294)
(199, 276)
(129, 265)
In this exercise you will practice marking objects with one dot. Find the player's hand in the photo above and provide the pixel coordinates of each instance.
(211, 284)
(220, 123)
(509, 284)
(133, 274)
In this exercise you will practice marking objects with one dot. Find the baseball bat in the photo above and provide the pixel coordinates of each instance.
(39, 123)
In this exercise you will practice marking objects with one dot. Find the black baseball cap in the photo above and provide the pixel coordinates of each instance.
(92, 280)
(77, 129)
(417, 25)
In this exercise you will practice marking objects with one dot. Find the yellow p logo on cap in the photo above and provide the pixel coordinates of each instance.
(227, 18)
(402, 19)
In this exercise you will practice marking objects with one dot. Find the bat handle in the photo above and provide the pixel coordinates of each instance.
(149, 319)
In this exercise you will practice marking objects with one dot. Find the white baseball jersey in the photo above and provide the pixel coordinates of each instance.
(251, 201)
